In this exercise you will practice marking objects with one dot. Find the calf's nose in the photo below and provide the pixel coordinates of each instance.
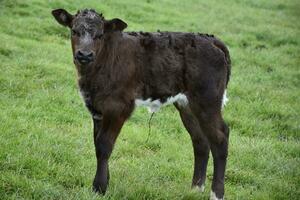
(84, 57)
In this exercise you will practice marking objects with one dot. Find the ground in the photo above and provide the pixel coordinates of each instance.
(46, 145)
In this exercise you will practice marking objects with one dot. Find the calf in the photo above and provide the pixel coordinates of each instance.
(118, 70)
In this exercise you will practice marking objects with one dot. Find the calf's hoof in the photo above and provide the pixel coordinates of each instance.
(213, 196)
(198, 188)
(99, 188)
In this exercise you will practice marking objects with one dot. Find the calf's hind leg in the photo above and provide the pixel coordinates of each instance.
(200, 146)
(217, 133)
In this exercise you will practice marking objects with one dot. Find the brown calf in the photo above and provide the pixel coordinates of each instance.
(119, 70)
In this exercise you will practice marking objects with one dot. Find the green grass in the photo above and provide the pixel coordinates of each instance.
(46, 145)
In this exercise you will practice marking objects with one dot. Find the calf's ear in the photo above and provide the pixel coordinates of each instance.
(63, 17)
(115, 25)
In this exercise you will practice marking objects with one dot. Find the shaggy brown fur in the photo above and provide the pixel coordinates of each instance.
(115, 68)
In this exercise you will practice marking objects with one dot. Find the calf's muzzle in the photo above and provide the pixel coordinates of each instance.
(84, 57)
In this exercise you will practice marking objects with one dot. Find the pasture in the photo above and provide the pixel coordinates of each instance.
(46, 142)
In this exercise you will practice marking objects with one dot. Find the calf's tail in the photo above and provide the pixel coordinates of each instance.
(225, 50)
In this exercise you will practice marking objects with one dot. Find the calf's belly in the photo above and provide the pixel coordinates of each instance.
(155, 105)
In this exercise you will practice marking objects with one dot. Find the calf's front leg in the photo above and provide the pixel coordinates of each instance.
(106, 131)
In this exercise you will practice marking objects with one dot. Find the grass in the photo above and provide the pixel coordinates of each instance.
(46, 146)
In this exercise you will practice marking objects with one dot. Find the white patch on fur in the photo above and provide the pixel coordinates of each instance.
(202, 188)
(199, 188)
(86, 39)
(214, 197)
(84, 95)
(98, 117)
(225, 99)
(154, 106)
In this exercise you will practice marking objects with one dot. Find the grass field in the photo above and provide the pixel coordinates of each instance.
(46, 145)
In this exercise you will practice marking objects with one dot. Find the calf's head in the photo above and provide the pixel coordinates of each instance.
(88, 29)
